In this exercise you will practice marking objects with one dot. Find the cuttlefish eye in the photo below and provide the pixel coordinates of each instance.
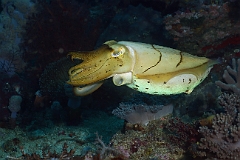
(118, 52)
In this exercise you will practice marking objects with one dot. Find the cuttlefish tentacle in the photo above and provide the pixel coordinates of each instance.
(88, 89)
(144, 67)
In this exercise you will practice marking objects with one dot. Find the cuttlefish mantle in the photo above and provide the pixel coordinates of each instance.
(147, 68)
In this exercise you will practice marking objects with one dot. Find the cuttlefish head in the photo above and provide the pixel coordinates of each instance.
(109, 60)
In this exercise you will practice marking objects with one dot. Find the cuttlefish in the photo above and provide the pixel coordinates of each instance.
(147, 68)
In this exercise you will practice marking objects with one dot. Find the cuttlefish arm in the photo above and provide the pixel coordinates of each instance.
(100, 64)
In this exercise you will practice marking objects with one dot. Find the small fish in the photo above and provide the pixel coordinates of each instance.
(207, 121)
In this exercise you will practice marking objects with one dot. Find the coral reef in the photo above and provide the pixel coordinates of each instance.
(107, 151)
(183, 135)
(222, 139)
(231, 77)
(200, 102)
(41, 136)
(7, 68)
(149, 143)
(64, 155)
(13, 17)
(10, 87)
(203, 30)
(141, 113)
(13, 20)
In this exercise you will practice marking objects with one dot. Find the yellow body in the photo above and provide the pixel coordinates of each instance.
(144, 67)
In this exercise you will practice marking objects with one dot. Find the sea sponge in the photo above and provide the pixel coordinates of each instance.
(15, 105)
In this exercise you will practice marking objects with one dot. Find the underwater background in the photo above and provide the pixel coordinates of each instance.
(41, 118)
